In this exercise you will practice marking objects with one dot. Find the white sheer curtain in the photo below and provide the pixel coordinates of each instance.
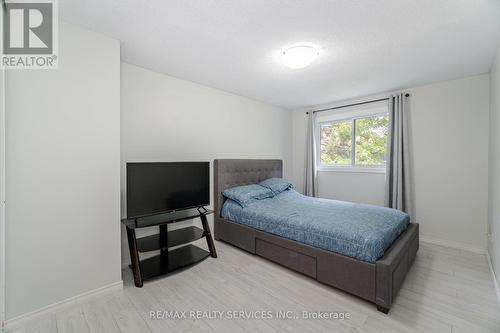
(310, 181)
(397, 189)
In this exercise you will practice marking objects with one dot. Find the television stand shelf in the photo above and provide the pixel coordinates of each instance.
(168, 260)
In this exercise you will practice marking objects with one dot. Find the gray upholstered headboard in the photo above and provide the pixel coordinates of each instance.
(230, 173)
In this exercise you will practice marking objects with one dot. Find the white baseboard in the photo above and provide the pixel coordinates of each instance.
(27, 317)
(493, 276)
(453, 245)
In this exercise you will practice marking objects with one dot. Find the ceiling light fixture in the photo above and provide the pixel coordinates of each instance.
(299, 56)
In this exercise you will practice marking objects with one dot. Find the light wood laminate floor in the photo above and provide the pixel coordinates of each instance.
(447, 290)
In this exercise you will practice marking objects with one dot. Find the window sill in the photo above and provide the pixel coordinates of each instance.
(351, 169)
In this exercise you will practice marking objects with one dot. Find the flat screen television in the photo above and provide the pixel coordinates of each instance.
(160, 187)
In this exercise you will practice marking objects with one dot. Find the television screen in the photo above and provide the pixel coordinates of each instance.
(154, 188)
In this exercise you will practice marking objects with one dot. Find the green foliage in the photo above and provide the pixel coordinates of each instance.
(336, 143)
(371, 141)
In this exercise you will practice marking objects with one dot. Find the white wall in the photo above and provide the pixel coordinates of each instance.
(167, 119)
(63, 171)
(449, 142)
(358, 187)
(494, 181)
(2, 186)
(450, 159)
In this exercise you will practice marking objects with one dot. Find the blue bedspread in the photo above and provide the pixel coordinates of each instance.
(356, 230)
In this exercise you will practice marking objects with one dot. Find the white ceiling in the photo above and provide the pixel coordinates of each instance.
(365, 46)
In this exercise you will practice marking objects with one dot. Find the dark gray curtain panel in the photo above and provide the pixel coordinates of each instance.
(397, 189)
(310, 182)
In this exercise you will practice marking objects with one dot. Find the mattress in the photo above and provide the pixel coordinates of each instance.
(356, 230)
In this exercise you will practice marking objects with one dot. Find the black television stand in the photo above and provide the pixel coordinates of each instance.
(168, 260)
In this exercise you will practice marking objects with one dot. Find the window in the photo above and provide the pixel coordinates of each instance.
(355, 142)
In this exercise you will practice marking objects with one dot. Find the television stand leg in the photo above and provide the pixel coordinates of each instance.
(134, 257)
(164, 240)
(208, 236)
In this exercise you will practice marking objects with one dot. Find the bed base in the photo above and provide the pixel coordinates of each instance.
(377, 282)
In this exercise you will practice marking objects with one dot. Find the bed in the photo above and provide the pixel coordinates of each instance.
(374, 273)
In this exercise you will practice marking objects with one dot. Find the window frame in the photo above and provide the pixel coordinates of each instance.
(353, 167)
